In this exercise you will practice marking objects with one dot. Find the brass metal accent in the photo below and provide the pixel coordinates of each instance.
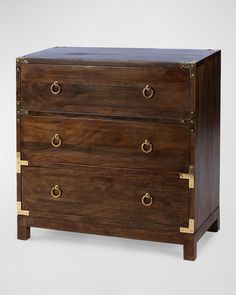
(20, 162)
(146, 146)
(189, 120)
(189, 229)
(55, 88)
(147, 200)
(20, 211)
(56, 192)
(56, 140)
(22, 60)
(191, 66)
(148, 89)
(20, 111)
(189, 176)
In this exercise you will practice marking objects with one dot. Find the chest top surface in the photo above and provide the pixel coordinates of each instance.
(118, 56)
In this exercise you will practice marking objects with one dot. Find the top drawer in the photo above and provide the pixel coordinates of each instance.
(120, 91)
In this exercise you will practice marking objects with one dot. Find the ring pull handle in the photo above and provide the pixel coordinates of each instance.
(148, 91)
(56, 192)
(55, 88)
(56, 140)
(146, 146)
(147, 200)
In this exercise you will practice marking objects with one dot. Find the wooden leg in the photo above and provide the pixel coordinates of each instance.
(190, 249)
(23, 231)
(215, 226)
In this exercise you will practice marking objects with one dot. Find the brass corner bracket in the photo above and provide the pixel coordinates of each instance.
(189, 176)
(20, 162)
(189, 120)
(22, 60)
(191, 66)
(20, 111)
(189, 229)
(20, 211)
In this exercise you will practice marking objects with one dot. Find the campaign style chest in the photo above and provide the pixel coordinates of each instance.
(119, 142)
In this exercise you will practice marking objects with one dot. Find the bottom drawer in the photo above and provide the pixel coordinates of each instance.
(98, 194)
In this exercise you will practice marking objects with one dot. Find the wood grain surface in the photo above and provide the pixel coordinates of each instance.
(105, 142)
(98, 194)
(106, 90)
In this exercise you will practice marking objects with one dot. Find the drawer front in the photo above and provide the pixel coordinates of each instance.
(106, 90)
(97, 194)
(105, 143)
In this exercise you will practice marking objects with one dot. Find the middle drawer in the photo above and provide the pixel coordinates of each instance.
(107, 143)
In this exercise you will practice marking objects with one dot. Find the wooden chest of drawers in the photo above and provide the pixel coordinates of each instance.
(121, 142)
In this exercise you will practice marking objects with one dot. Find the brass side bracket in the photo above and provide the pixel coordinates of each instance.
(20, 111)
(189, 120)
(189, 229)
(189, 176)
(191, 66)
(22, 60)
(20, 162)
(20, 211)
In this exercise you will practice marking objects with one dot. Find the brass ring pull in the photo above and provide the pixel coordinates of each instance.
(56, 192)
(56, 140)
(146, 146)
(148, 91)
(147, 200)
(55, 88)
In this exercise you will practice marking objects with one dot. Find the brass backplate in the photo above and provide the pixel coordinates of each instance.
(189, 176)
(20, 211)
(189, 229)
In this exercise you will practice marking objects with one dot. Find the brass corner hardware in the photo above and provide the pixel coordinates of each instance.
(189, 120)
(20, 111)
(189, 176)
(191, 66)
(189, 229)
(22, 60)
(20, 211)
(20, 162)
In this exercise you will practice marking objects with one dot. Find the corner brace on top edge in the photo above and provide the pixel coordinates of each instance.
(191, 66)
(22, 60)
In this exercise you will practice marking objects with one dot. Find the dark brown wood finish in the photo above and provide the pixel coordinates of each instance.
(18, 129)
(106, 90)
(98, 194)
(102, 119)
(207, 138)
(116, 228)
(140, 57)
(23, 230)
(106, 143)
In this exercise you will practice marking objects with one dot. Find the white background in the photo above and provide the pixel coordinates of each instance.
(54, 262)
